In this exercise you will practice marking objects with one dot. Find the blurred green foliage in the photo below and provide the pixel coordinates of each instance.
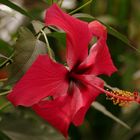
(124, 16)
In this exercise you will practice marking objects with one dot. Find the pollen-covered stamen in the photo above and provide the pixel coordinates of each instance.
(122, 97)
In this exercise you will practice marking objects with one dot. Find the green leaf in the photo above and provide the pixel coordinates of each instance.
(3, 136)
(16, 7)
(27, 49)
(21, 125)
(102, 109)
(111, 30)
(60, 36)
(48, 2)
(37, 25)
(5, 48)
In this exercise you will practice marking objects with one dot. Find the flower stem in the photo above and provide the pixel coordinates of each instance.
(47, 43)
(7, 61)
(38, 36)
(87, 3)
(61, 3)
(5, 92)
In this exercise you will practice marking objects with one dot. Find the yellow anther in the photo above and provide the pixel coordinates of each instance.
(121, 97)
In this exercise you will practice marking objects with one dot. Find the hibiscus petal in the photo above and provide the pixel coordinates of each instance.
(44, 78)
(60, 111)
(77, 34)
(99, 60)
(71, 107)
(52, 112)
(88, 95)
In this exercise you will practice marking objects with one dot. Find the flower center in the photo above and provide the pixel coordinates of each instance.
(74, 79)
(119, 97)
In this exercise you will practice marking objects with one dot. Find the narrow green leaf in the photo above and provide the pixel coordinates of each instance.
(79, 8)
(16, 7)
(103, 110)
(111, 30)
(3, 136)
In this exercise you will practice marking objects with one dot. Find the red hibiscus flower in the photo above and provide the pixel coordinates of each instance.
(73, 88)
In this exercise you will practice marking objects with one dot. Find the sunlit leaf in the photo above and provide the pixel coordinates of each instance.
(27, 49)
(37, 25)
(60, 36)
(103, 110)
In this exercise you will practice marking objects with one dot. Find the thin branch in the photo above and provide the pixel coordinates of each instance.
(87, 3)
